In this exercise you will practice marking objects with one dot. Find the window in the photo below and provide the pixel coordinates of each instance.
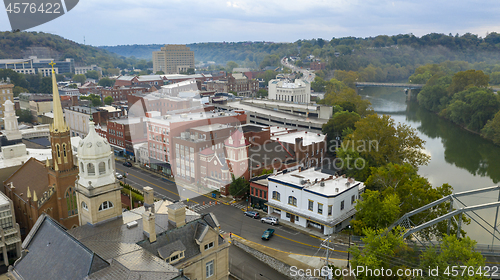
(292, 200)
(209, 269)
(58, 152)
(276, 195)
(105, 205)
(64, 150)
(330, 210)
(342, 205)
(81, 167)
(209, 245)
(71, 201)
(90, 169)
(353, 198)
(311, 205)
(102, 168)
(320, 208)
(84, 206)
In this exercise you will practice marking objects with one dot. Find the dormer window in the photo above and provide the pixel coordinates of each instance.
(175, 257)
(230, 140)
(209, 245)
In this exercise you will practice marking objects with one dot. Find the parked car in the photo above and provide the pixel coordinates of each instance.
(127, 164)
(118, 176)
(252, 214)
(267, 234)
(270, 220)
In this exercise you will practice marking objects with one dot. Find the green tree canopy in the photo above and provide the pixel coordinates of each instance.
(92, 74)
(24, 116)
(239, 187)
(375, 211)
(106, 82)
(108, 100)
(230, 65)
(80, 78)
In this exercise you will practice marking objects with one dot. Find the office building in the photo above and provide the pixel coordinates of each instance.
(173, 59)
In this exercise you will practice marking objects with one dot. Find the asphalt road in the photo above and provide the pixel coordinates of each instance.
(231, 217)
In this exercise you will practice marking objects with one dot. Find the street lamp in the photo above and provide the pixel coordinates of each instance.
(349, 227)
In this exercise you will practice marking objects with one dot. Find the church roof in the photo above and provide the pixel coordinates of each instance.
(52, 253)
(32, 174)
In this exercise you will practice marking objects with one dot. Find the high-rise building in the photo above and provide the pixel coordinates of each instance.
(173, 59)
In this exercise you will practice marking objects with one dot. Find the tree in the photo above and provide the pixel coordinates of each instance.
(337, 93)
(24, 115)
(108, 100)
(73, 86)
(230, 65)
(239, 187)
(465, 79)
(160, 73)
(92, 74)
(492, 129)
(337, 124)
(17, 90)
(454, 252)
(95, 99)
(381, 251)
(106, 82)
(262, 93)
(375, 211)
(45, 85)
(413, 192)
(79, 78)
(380, 141)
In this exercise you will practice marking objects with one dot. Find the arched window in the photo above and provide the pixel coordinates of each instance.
(292, 200)
(91, 169)
(64, 150)
(276, 195)
(102, 168)
(81, 167)
(71, 205)
(84, 206)
(105, 205)
(109, 164)
(58, 152)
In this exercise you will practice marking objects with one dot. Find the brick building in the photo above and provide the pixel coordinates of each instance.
(121, 93)
(236, 82)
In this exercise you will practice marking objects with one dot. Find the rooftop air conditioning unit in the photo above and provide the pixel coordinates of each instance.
(132, 224)
(322, 184)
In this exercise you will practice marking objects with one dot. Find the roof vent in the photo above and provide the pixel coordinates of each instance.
(322, 184)
(132, 224)
(347, 184)
(336, 190)
(303, 182)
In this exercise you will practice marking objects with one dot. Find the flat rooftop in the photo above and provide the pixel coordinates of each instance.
(239, 106)
(308, 138)
(310, 179)
(167, 119)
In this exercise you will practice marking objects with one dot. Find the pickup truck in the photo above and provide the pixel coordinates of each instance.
(267, 234)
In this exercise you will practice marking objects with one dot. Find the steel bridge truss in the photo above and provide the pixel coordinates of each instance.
(409, 228)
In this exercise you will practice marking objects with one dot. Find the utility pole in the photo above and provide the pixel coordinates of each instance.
(326, 244)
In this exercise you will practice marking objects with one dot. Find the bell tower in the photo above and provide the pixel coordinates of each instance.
(97, 190)
(10, 121)
(61, 171)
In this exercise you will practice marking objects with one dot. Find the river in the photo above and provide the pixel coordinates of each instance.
(458, 157)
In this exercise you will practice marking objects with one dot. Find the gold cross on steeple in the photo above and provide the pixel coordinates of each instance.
(52, 63)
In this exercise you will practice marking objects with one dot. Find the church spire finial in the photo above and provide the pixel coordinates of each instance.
(59, 125)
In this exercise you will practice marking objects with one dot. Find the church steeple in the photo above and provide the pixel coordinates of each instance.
(62, 155)
(59, 124)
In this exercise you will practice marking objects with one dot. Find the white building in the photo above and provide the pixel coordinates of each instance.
(284, 90)
(310, 198)
(10, 236)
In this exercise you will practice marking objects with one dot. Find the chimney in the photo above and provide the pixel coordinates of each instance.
(298, 149)
(149, 226)
(149, 202)
(177, 214)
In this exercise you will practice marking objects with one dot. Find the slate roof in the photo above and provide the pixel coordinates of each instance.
(186, 234)
(55, 254)
(32, 174)
(167, 250)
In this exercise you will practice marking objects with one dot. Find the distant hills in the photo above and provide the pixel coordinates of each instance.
(23, 44)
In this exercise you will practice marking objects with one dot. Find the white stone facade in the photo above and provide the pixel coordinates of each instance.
(311, 198)
(284, 90)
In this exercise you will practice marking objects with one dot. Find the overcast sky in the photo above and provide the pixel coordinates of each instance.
(113, 22)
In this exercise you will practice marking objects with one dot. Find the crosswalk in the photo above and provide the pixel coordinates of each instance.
(239, 206)
(199, 207)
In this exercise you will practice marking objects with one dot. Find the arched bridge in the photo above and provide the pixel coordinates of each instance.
(407, 87)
